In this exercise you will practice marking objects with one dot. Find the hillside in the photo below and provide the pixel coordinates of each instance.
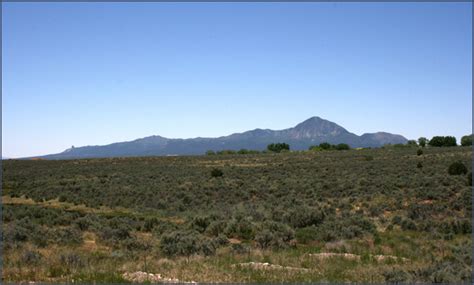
(312, 131)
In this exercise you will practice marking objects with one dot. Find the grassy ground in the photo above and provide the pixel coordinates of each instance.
(93, 220)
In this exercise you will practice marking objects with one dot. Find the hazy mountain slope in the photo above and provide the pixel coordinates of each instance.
(310, 132)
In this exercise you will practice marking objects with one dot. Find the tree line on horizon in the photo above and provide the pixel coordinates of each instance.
(436, 141)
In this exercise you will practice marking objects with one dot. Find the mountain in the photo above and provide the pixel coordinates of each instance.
(313, 131)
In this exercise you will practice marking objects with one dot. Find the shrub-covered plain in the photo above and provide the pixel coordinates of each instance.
(89, 220)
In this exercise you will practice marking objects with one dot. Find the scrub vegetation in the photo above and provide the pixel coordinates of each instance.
(393, 214)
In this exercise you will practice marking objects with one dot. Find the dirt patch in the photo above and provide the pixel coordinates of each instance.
(350, 256)
(140, 277)
(381, 258)
(234, 241)
(268, 266)
(325, 255)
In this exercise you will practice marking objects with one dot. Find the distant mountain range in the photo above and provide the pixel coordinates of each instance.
(313, 131)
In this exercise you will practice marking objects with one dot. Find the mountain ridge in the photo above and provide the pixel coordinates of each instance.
(309, 132)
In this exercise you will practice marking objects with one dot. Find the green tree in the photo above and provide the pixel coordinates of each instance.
(440, 141)
(343, 146)
(210, 152)
(325, 146)
(315, 148)
(278, 147)
(450, 141)
(422, 141)
(412, 143)
(466, 140)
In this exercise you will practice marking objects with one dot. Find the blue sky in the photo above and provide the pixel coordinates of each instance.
(96, 73)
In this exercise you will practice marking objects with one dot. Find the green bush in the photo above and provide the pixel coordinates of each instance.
(408, 224)
(264, 239)
(419, 152)
(215, 172)
(274, 234)
(457, 168)
(306, 235)
(67, 236)
(208, 247)
(240, 228)
(180, 243)
(304, 217)
(216, 228)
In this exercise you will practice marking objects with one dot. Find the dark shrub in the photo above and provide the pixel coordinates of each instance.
(150, 224)
(304, 217)
(466, 140)
(31, 257)
(83, 223)
(62, 198)
(308, 234)
(274, 234)
(67, 236)
(113, 236)
(215, 172)
(216, 228)
(182, 243)
(396, 220)
(200, 223)
(240, 228)
(221, 240)
(15, 233)
(419, 165)
(264, 239)
(239, 248)
(408, 224)
(419, 152)
(368, 158)
(208, 247)
(71, 260)
(457, 168)
(164, 227)
(395, 275)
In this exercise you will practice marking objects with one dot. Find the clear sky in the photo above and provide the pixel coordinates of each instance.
(96, 73)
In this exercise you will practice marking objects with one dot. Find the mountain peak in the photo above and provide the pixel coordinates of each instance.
(317, 127)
